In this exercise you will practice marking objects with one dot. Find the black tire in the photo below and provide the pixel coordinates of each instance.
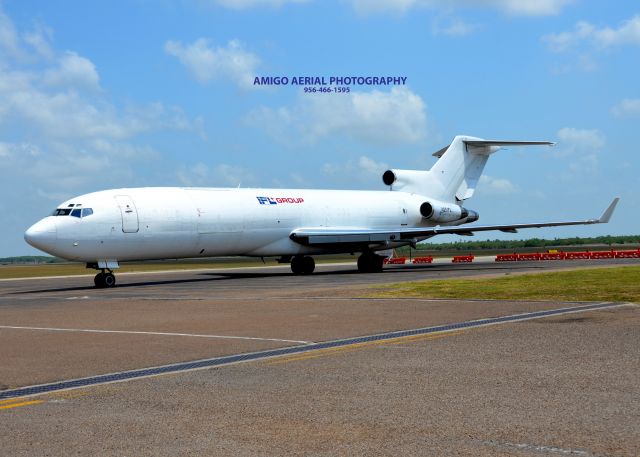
(377, 264)
(363, 264)
(370, 263)
(308, 265)
(297, 265)
(109, 280)
(99, 281)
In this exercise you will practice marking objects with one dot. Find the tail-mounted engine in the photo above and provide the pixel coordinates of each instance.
(446, 212)
(399, 179)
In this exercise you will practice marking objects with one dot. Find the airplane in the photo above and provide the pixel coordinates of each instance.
(107, 227)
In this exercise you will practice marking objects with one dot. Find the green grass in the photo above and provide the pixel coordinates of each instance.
(600, 284)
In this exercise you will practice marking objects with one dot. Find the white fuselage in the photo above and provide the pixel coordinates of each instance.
(168, 222)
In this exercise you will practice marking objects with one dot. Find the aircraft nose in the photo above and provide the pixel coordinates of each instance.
(42, 235)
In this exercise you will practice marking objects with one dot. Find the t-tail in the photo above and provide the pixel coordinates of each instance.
(454, 177)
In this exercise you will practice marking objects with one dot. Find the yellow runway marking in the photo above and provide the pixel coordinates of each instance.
(357, 346)
(17, 402)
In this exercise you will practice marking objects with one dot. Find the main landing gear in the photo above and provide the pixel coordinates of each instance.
(369, 262)
(302, 265)
(104, 279)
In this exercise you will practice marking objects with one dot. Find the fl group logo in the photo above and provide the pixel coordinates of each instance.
(276, 200)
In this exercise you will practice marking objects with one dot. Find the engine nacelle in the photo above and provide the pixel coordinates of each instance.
(447, 212)
(400, 178)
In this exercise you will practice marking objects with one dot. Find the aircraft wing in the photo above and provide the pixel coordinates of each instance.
(328, 237)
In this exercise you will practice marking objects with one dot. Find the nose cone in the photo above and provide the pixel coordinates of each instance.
(42, 235)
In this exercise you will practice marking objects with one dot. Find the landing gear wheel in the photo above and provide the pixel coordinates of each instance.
(302, 265)
(109, 280)
(103, 280)
(308, 265)
(370, 263)
(297, 265)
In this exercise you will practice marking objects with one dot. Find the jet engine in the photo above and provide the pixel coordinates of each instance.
(401, 178)
(446, 212)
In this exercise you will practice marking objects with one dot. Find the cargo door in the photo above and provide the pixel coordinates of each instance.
(129, 214)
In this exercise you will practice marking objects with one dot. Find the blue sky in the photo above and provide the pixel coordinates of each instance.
(98, 95)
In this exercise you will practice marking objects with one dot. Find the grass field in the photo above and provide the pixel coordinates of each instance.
(600, 284)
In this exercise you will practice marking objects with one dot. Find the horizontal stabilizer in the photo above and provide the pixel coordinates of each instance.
(502, 143)
(498, 143)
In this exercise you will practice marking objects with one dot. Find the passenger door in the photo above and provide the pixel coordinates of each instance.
(129, 214)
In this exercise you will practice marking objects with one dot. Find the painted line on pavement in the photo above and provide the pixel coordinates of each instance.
(133, 332)
(288, 351)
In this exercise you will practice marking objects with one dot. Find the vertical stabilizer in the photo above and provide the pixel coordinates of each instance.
(459, 168)
(454, 177)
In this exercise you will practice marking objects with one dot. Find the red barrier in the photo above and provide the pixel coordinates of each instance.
(628, 254)
(395, 260)
(417, 260)
(577, 255)
(603, 255)
(566, 256)
(529, 256)
(462, 259)
(552, 256)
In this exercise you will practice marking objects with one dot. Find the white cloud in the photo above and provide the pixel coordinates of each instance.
(512, 7)
(246, 4)
(357, 173)
(39, 39)
(62, 138)
(73, 70)
(627, 108)
(394, 117)
(582, 146)
(368, 165)
(208, 63)
(24, 149)
(580, 139)
(9, 40)
(221, 175)
(457, 28)
(496, 186)
(628, 33)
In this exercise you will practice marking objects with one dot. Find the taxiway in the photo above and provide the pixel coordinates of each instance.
(552, 385)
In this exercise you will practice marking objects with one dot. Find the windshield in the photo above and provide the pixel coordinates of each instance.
(77, 212)
(61, 212)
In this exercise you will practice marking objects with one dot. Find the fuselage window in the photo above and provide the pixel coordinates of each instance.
(76, 212)
(87, 212)
(61, 212)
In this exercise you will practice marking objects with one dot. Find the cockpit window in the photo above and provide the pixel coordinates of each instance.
(75, 212)
(61, 212)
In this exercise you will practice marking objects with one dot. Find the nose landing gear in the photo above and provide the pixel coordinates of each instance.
(105, 279)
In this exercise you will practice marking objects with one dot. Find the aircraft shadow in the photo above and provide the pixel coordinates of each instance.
(225, 276)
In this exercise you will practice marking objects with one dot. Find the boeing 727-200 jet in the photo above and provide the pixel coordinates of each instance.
(107, 227)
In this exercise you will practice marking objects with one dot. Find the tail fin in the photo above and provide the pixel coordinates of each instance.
(454, 177)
